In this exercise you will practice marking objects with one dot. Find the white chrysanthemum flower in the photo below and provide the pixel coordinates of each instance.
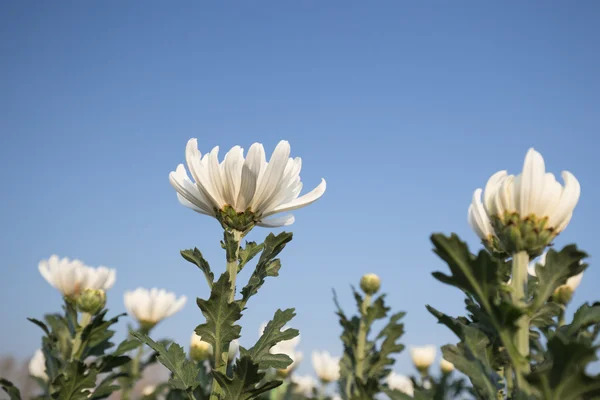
(401, 383)
(37, 365)
(148, 390)
(244, 184)
(304, 384)
(326, 366)
(199, 349)
(423, 357)
(71, 277)
(234, 347)
(571, 284)
(149, 307)
(532, 204)
(446, 366)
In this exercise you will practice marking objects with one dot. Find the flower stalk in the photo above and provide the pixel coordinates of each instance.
(520, 262)
(86, 318)
(362, 337)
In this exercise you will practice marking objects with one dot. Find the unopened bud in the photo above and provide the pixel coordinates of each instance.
(446, 366)
(199, 349)
(370, 284)
(562, 295)
(91, 301)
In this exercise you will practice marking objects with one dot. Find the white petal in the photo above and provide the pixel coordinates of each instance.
(269, 181)
(177, 306)
(301, 201)
(189, 192)
(491, 189)
(214, 171)
(275, 222)
(574, 281)
(201, 174)
(232, 174)
(250, 172)
(531, 184)
(568, 201)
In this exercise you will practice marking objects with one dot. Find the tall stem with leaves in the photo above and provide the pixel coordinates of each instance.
(362, 337)
(520, 262)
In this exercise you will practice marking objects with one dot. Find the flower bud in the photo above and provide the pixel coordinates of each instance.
(91, 301)
(562, 295)
(446, 366)
(370, 284)
(199, 349)
(423, 357)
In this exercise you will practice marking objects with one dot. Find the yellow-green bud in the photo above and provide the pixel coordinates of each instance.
(562, 295)
(199, 349)
(370, 284)
(530, 234)
(446, 366)
(91, 301)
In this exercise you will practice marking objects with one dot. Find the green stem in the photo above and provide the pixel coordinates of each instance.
(362, 337)
(135, 374)
(232, 269)
(76, 349)
(508, 375)
(561, 315)
(322, 391)
(520, 262)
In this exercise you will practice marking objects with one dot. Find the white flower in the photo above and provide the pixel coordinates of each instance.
(264, 188)
(446, 366)
(150, 307)
(199, 349)
(326, 366)
(287, 347)
(148, 390)
(533, 193)
(71, 277)
(478, 218)
(234, 346)
(37, 365)
(423, 357)
(572, 282)
(305, 384)
(401, 383)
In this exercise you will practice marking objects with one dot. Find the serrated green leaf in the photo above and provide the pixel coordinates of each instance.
(40, 324)
(545, 315)
(267, 264)
(126, 346)
(106, 387)
(558, 268)
(377, 310)
(246, 382)
(109, 362)
(272, 334)
(219, 329)
(184, 371)
(247, 253)
(12, 391)
(75, 382)
(566, 378)
(195, 257)
(584, 317)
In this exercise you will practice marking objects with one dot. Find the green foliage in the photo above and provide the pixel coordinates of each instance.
(184, 371)
(365, 363)
(76, 382)
(559, 266)
(195, 257)
(259, 353)
(246, 381)
(267, 264)
(220, 328)
(12, 391)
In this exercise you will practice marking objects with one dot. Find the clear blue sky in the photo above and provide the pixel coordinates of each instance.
(404, 108)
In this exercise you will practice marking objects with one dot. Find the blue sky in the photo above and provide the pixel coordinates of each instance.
(403, 108)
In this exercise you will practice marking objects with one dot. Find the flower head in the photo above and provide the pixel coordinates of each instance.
(423, 357)
(446, 366)
(401, 383)
(148, 390)
(243, 192)
(370, 284)
(149, 307)
(326, 366)
(71, 277)
(199, 349)
(527, 211)
(37, 365)
(234, 346)
(287, 347)
(304, 384)
(563, 293)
